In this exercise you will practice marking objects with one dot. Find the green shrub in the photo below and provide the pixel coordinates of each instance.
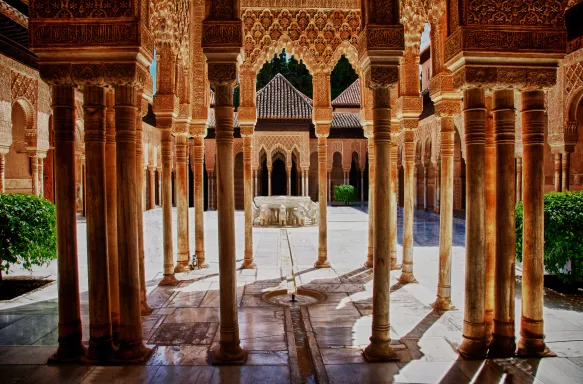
(28, 233)
(344, 192)
(563, 235)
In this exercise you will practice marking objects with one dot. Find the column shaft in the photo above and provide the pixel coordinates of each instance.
(323, 205)
(393, 199)
(152, 187)
(518, 179)
(379, 349)
(40, 168)
(268, 182)
(288, 172)
(247, 152)
(503, 340)
(447, 135)
(199, 201)
(2, 167)
(474, 345)
(371, 210)
(408, 212)
(70, 346)
(111, 213)
(131, 346)
(566, 171)
(491, 223)
(361, 186)
(34, 171)
(100, 343)
(329, 187)
(531, 325)
(166, 144)
(183, 254)
(558, 172)
(230, 349)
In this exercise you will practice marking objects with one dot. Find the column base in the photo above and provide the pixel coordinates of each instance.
(99, 351)
(394, 265)
(202, 264)
(228, 354)
(182, 266)
(248, 264)
(322, 264)
(379, 351)
(169, 280)
(69, 352)
(473, 349)
(533, 347)
(443, 304)
(369, 259)
(407, 278)
(132, 353)
(502, 346)
(145, 309)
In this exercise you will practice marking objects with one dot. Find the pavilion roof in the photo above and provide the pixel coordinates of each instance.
(279, 99)
(349, 98)
(345, 120)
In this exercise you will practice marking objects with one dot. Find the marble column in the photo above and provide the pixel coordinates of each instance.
(393, 199)
(142, 110)
(183, 251)
(229, 350)
(408, 212)
(100, 343)
(256, 183)
(41, 171)
(33, 158)
(329, 187)
(131, 346)
(425, 185)
(308, 183)
(269, 181)
(371, 210)
(361, 185)
(474, 343)
(447, 135)
(2, 167)
(503, 342)
(199, 201)
(166, 144)
(518, 179)
(323, 179)
(490, 234)
(558, 172)
(379, 348)
(247, 153)
(111, 213)
(532, 336)
(151, 204)
(70, 348)
(566, 177)
(288, 174)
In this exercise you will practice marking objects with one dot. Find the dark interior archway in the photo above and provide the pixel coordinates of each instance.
(294, 178)
(278, 178)
(264, 191)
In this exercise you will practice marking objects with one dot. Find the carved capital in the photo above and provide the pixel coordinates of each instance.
(504, 77)
(166, 104)
(447, 107)
(377, 76)
(322, 117)
(94, 74)
(322, 130)
(198, 130)
(247, 115)
(246, 129)
(225, 33)
(409, 106)
(222, 74)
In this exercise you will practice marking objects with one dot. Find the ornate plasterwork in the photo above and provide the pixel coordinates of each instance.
(548, 13)
(505, 77)
(262, 4)
(282, 141)
(13, 14)
(313, 35)
(97, 74)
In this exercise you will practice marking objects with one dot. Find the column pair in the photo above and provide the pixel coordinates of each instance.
(198, 164)
(183, 254)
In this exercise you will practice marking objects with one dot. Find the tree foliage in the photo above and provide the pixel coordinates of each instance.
(563, 223)
(344, 192)
(342, 77)
(27, 231)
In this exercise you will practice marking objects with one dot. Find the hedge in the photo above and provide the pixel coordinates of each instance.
(344, 192)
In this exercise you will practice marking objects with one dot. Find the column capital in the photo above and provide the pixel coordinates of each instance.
(322, 130)
(499, 77)
(247, 129)
(409, 107)
(198, 130)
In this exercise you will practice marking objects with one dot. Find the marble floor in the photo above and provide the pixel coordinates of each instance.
(184, 324)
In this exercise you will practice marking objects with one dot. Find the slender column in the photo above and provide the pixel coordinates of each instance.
(393, 199)
(329, 188)
(531, 341)
(199, 201)
(491, 223)
(379, 349)
(229, 350)
(322, 192)
(447, 135)
(361, 186)
(425, 186)
(41, 176)
(131, 346)
(269, 181)
(211, 190)
(70, 346)
(247, 152)
(371, 212)
(518, 179)
(503, 336)
(410, 196)
(2, 167)
(100, 342)
(111, 213)
(166, 144)
(474, 343)
(33, 158)
(183, 253)
(566, 170)
(307, 183)
(558, 174)
(288, 171)
(438, 186)
(141, 111)
(152, 186)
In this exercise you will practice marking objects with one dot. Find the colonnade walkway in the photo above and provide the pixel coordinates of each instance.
(331, 334)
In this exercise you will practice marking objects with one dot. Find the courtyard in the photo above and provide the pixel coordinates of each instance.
(331, 334)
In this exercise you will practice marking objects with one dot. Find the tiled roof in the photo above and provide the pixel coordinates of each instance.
(212, 120)
(349, 98)
(345, 120)
(279, 99)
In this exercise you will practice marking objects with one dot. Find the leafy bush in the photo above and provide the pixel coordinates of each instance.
(344, 192)
(28, 233)
(563, 235)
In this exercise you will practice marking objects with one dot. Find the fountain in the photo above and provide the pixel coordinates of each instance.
(284, 211)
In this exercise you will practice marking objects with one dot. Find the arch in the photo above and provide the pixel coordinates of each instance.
(28, 120)
(349, 51)
(17, 170)
(272, 48)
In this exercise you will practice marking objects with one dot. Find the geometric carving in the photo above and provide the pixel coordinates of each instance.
(23, 86)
